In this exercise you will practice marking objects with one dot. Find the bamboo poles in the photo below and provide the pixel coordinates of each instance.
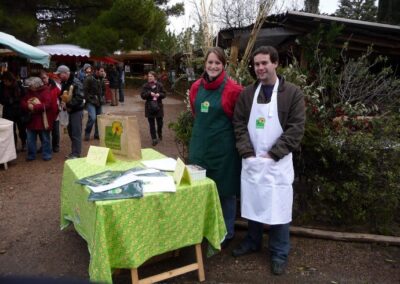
(265, 8)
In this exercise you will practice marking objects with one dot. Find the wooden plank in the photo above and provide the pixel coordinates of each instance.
(233, 60)
(337, 236)
(199, 258)
(166, 275)
(344, 236)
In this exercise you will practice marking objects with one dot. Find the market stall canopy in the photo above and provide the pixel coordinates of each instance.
(25, 50)
(65, 50)
(69, 52)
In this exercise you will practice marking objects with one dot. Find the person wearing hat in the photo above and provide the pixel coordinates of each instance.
(92, 91)
(87, 66)
(73, 98)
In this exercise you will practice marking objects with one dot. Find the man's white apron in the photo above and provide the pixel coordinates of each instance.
(266, 185)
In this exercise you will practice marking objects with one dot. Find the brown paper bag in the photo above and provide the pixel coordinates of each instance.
(121, 134)
(45, 120)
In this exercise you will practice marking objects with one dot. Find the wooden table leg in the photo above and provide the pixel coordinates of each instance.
(134, 276)
(199, 266)
(199, 258)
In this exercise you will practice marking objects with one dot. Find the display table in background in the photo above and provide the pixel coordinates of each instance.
(126, 233)
(7, 144)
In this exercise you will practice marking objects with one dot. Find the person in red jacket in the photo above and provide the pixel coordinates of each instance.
(55, 91)
(38, 101)
(212, 146)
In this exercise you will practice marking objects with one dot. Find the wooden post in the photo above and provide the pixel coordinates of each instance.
(303, 60)
(134, 276)
(199, 258)
(233, 59)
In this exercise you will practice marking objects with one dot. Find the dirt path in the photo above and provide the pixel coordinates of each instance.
(31, 242)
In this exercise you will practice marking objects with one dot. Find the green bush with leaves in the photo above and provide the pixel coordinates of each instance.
(349, 163)
(183, 132)
(350, 178)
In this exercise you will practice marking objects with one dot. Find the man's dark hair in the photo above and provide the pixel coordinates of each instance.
(267, 49)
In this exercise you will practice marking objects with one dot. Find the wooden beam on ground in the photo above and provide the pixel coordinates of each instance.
(337, 236)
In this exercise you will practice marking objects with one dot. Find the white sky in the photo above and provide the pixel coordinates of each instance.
(177, 24)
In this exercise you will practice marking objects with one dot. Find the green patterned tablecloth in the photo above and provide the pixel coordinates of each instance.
(126, 233)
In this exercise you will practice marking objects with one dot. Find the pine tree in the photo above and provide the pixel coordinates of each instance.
(364, 10)
(102, 26)
(311, 6)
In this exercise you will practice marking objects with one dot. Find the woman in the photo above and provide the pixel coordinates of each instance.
(38, 102)
(212, 146)
(114, 84)
(153, 92)
(55, 91)
(11, 93)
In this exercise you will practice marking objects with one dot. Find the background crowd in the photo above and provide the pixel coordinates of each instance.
(39, 104)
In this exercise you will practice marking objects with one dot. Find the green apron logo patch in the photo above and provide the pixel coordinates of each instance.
(113, 135)
(204, 106)
(260, 123)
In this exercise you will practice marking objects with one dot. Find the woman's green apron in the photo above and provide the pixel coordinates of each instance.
(212, 145)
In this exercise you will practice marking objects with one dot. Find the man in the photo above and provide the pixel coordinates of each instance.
(269, 123)
(100, 76)
(92, 92)
(73, 99)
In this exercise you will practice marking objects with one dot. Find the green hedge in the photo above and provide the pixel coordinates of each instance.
(350, 178)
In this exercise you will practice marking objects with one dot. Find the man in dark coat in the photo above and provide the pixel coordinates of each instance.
(74, 101)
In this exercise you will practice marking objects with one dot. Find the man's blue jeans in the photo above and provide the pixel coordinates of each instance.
(278, 242)
(31, 142)
(228, 205)
(93, 111)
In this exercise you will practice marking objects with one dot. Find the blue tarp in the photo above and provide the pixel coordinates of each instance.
(32, 53)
